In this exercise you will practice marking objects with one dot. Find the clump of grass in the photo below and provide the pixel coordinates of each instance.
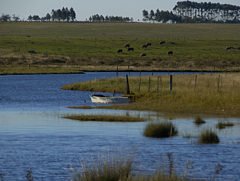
(199, 121)
(105, 171)
(104, 118)
(223, 125)
(160, 130)
(208, 137)
(119, 170)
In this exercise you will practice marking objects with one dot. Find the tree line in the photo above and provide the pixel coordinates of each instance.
(7, 17)
(101, 18)
(63, 14)
(194, 12)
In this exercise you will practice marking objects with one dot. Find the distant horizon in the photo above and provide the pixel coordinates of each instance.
(84, 10)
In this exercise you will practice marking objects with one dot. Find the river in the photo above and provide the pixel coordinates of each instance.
(34, 135)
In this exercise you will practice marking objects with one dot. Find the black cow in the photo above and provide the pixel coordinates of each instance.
(162, 42)
(170, 53)
(149, 44)
(130, 49)
(230, 48)
(127, 45)
(120, 51)
(143, 55)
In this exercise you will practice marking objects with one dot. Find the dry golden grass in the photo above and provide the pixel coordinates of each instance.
(214, 94)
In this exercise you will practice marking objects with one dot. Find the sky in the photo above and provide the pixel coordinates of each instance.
(86, 8)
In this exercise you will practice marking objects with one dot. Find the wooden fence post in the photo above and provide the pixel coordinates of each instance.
(127, 85)
(149, 84)
(218, 82)
(195, 82)
(140, 81)
(117, 71)
(171, 83)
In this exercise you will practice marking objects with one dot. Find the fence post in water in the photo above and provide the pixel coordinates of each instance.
(127, 85)
(171, 83)
(140, 81)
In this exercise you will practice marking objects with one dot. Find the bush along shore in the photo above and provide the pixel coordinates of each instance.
(210, 94)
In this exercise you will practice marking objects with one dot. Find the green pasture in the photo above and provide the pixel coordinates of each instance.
(194, 45)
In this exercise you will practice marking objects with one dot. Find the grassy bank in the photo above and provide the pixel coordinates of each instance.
(212, 94)
(13, 70)
(194, 46)
(104, 118)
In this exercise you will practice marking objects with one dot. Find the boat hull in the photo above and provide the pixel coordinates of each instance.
(109, 99)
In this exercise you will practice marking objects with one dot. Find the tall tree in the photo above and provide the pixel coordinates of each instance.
(72, 14)
(15, 18)
(30, 18)
(48, 17)
(5, 17)
(145, 15)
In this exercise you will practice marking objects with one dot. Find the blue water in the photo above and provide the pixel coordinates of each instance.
(34, 135)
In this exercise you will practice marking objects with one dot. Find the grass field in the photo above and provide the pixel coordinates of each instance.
(196, 46)
(211, 94)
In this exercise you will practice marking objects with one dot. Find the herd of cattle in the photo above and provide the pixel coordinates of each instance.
(128, 48)
(144, 46)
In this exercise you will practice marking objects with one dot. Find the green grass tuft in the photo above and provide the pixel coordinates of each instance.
(199, 121)
(106, 171)
(208, 137)
(116, 170)
(160, 130)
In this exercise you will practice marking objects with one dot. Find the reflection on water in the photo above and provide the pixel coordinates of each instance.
(34, 135)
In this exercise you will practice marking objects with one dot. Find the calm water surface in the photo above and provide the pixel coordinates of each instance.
(34, 135)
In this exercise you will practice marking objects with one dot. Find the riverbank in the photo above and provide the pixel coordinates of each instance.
(203, 94)
(74, 69)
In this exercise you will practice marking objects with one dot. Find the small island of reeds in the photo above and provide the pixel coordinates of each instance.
(104, 118)
(199, 121)
(223, 125)
(208, 137)
(160, 130)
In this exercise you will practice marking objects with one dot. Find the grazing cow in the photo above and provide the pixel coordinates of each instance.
(130, 49)
(162, 42)
(127, 45)
(170, 53)
(149, 44)
(230, 48)
(120, 51)
(145, 46)
(172, 43)
(143, 55)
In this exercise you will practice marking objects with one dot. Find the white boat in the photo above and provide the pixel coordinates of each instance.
(102, 99)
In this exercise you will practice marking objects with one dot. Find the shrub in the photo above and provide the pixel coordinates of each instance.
(199, 121)
(208, 137)
(160, 130)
